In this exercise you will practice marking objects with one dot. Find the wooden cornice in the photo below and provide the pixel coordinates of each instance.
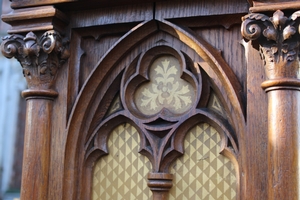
(28, 3)
(36, 19)
(272, 6)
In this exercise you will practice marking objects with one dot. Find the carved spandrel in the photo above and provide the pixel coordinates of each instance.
(40, 58)
(278, 40)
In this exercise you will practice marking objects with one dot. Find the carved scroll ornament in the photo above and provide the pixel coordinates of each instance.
(40, 58)
(278, 40)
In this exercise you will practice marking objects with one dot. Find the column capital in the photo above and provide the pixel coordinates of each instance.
(277, 39)
(40, 58)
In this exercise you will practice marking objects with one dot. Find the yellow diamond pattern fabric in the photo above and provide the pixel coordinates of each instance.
(122, 175)
(202, 173)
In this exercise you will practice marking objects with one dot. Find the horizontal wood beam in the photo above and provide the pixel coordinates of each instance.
(273, 6)
(41, 18)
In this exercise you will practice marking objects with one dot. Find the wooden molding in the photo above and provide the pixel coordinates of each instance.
(160, 184)
(26, 3)
(40, 59)
(36, 19)
(274, 5)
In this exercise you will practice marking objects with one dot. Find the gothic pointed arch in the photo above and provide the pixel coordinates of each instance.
(192, 84)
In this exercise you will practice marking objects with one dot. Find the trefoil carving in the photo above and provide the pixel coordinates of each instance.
(160, 95)
(166, 89)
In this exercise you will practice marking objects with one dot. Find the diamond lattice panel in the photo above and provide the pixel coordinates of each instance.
(203, 173)
(122, 175)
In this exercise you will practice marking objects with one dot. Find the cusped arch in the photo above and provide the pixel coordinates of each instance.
(105, 78)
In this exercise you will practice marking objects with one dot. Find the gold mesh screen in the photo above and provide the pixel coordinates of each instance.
(122, 175)
(203, 173)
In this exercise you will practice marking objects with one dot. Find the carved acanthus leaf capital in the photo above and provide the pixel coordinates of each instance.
(278, 40)
(40, 57)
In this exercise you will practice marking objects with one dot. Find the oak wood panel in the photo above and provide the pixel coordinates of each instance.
(58, 135)
(257, 129)
(111, 15)
(228, 42)
(90, 45)
(190, 8)
(227, 21)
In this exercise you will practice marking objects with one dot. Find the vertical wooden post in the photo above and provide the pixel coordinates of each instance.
(40, 59)
(283, 147)
(36, 159)
(278, 40)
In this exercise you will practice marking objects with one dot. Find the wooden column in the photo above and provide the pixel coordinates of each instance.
(40, 58)
(277, 38)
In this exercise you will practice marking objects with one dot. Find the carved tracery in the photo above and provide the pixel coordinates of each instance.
(161, 95)
(107, 100)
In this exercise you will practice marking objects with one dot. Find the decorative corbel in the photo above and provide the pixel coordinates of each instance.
(277, 39)
(40, 59)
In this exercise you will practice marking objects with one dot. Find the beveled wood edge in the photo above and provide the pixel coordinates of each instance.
(27, 3)
(271, 7)
(35, 19)
(282, 84)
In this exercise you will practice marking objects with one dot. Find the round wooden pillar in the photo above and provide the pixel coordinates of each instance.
(277, 38)
(283, 144)
(37, 141)
(40, 58)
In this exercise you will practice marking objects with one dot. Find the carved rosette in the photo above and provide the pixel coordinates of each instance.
(40, 58)
(278, 40)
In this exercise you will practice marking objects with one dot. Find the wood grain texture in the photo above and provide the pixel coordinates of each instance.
(257, 127)
(267, 6)
(282, 85)
(26, 3)
(283, 144)
(110, 41)
(111, 15)
(228, 43)
(90, 45)
(73, 4)
(36, 158)
(102, 85)
(41, 18)
(189, 8)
